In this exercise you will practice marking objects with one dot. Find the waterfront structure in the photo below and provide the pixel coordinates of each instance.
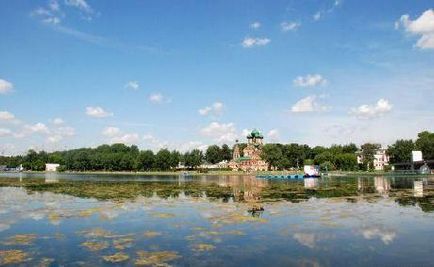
(251, 155)
(51, 167)
(381, 159)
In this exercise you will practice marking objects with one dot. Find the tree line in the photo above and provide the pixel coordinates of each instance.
(120, 157)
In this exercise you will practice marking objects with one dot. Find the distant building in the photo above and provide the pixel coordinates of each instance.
(51, 167)
(381, 159)
(251, 159)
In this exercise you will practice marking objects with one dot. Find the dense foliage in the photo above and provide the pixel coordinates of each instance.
(119, 157)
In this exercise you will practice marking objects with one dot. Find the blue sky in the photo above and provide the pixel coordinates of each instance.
(186, 74)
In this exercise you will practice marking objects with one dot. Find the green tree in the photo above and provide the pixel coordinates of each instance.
(146, 160)
(226, 152)
(368, 152)
(193, 159)
(272, 154)
(162, 160)
(425, 143)
(400, 151)
(213, 154)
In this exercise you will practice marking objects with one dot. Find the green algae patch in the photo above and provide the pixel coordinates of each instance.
(45, 262)
(151, 234)
(203, 247)
(163, 215)
(95, 233)
(25, 239)
(117, 257)
(123, 243)
(14, 256)
(95, 245)
(156, 258)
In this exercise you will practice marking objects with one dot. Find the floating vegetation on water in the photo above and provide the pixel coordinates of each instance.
(157, 258)
(13, 257)
(88, 212)
(151, 234)
(163, 215)
(46, 262)
(203, 247)
(25, 239)
(236, 218)
(54, 218)
(117, 257)
(123, 243)
(95, 232)
(95, 245)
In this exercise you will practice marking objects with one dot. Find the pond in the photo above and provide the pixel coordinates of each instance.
(104, 220)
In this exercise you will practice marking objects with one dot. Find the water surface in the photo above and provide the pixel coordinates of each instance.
(89, 220)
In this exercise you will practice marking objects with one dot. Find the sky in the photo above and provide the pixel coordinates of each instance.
(187, 74)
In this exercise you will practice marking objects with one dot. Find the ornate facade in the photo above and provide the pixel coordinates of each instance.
(251, 159)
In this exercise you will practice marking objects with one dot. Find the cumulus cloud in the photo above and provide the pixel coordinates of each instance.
(97, 112)
(6, 116)
(5, 132)
(255, 25)
(289, 26)
(423, 26)
(154, 142)
(81, 5)
(309, 104)
(250, 42)
(111, 131)
(58, 121)
(273, 135)
(215, 109)
(220, 132)
(309, 80)
(158, 98)
(37, 128)
(134, 85)
(371, 111)
(115, 135)
(5, 87)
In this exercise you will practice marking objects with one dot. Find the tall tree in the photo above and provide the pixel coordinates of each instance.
(425, 143)
(213, 154)
(400, 151)
(226, 152)
(368, 152)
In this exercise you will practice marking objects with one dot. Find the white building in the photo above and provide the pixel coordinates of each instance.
(381, 159)
(51, 167)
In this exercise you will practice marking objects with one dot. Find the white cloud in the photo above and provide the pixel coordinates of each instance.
(5, 132)
(310, 80)
(97, 112)
(158, 98)
(320, 14)
(80, 4)
(154, 142)
(111, 131)
(371, 111)
(386, 235)
(255, 25)
(422, 26)
(37, 128)
(317, 15)
(115, 135)
(5, 87)
(134, 85)
(58, 121)
(188, 146)
(58, 134)
(309, 104)
(215, 109)
(128, 138)
(6, 116)
(289, 26)
(273, 135)
(249, 42)
(220, 132)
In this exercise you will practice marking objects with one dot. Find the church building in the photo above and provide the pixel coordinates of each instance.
(251, 155)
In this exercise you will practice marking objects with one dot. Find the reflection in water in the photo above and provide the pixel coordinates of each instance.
(311, 183)
(382, 184)
(51, 177)
(217, 221)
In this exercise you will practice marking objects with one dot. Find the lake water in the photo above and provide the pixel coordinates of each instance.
(97, 220)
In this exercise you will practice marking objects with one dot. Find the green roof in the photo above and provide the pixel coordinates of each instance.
(255, 134)
(242, 159)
